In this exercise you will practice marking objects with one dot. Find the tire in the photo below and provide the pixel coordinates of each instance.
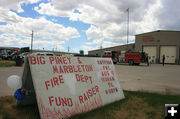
(131, 62)
(114, 62)
(137, 63)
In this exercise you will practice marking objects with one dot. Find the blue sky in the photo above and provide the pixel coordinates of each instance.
(81, 25)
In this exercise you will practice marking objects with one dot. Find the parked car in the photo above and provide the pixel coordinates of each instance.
(1, 56)
(24, 54)
(11, 56)
(43, 53)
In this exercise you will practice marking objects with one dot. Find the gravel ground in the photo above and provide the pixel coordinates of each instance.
(154, 78)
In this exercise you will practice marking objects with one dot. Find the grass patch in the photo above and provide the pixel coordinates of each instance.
(7, 63)
(136, 105)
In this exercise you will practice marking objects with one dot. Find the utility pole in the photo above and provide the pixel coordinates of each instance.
(31, 41)
(101, 44)
(68, 48)
(127, 26)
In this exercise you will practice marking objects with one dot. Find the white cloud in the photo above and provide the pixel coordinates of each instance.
(15, 4)
(109, 18)
(87, 48)
(150, 21)
(108, 15)
(46, 44)
(49, 9)
(94, 33)
(8, 16)
(110, 44)
(76, 50)
(168, 15)
(7, 39)
(43, 30)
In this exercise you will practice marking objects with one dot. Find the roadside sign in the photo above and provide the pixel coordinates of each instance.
(65, 86)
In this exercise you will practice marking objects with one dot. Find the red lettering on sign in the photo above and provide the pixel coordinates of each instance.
(89, 93)
(55, 69)
(79, 61)
(110, 84)
(104, 62)
(72, 68)
(65, 112)
(69, 60)
(37, 60)
(79, 68)
(61, 69)
(64, 60)
(51, 59)
(60, 101)
(60, 60)
(110, 91)
(83, 68)
(83, 78)
(47, 84)
(52, 83)
(32, 60)
(105, 73)
(106, 68)
(81, 99)
(104, 79)
(55, 81)
(65, 69)
(51, 100)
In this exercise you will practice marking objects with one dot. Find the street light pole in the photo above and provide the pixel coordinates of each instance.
(31, 41)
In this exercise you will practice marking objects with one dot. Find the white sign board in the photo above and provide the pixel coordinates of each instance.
(69, 85)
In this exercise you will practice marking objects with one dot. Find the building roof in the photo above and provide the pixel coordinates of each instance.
(112, 47)
(157, 31)
(10, 48)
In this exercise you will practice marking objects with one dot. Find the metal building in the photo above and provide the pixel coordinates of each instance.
(159, 43)
(99, 52)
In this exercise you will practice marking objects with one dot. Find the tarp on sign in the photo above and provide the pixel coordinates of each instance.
(69, 85)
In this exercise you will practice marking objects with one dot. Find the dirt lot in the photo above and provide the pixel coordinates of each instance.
(154, 78)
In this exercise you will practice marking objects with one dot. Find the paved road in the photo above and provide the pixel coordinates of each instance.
(155, 78)
(5, 72)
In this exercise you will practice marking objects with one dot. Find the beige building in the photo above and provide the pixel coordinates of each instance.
(159, 43)
(99, 52)
(155, 44)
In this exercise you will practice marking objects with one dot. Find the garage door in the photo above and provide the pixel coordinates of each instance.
(169, 52)
(151, 51)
